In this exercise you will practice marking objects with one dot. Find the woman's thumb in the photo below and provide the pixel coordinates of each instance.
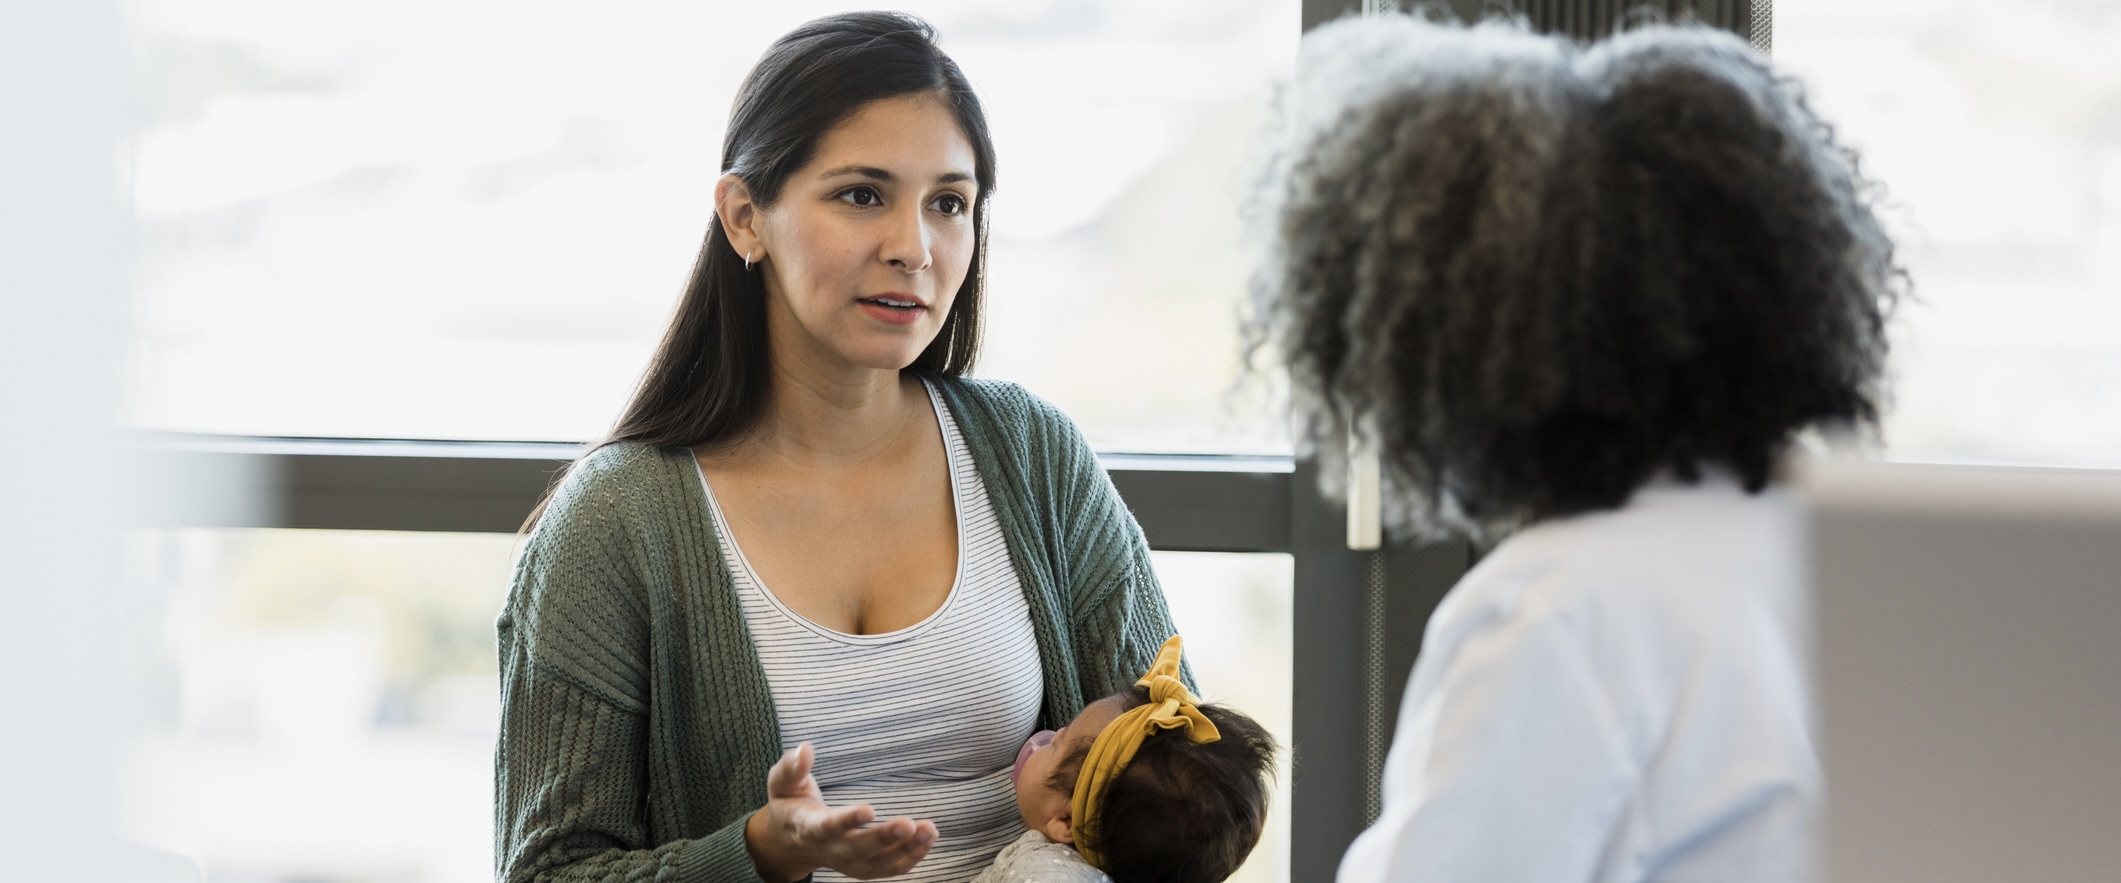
(788, 775)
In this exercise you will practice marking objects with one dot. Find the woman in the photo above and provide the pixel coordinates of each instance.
(808, 530)
(1582, 301)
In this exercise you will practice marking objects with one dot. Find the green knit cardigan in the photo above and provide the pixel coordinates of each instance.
(636, 721)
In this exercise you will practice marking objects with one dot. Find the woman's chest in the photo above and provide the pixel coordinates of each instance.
(946, 700)
(923, 722)
(861, 554)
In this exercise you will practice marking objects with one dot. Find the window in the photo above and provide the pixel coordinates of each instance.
(470, 219)
(321, 705)
(1996, 130)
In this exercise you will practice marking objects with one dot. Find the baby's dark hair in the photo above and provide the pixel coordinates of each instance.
(1181, 812)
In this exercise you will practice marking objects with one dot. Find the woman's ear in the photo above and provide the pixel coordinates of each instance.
(1059, 829)
(740, 217)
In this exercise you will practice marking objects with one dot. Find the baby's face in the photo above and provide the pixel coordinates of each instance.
(1041, 804)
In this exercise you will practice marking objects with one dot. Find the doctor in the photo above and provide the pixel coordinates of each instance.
(1582, 300)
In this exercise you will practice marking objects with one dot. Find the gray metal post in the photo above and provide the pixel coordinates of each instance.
(1326, 797)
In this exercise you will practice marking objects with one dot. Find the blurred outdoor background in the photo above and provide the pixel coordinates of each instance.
(470, 219)
(467, 219)
(1996, 131)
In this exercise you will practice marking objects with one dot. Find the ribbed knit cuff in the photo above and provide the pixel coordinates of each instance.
(720, 857)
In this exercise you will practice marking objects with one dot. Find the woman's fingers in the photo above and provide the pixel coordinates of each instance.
(902, 857)
(842, 838)
(912, 848)
(906, 843)
(838, 822)
(790, 776)
(890, 835)
(781, 777)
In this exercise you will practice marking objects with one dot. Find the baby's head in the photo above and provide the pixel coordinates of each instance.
(1180, 811)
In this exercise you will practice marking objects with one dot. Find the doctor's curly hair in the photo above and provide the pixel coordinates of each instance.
(1534, 275)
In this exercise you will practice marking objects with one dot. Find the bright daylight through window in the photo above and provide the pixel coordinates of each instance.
(470, 219)
(1996, 129)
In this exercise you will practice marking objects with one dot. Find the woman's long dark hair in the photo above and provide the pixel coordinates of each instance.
(708, 379)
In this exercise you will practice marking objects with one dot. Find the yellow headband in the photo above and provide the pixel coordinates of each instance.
(1170, 707)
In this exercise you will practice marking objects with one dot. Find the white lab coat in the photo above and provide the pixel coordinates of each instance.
(1617, 696)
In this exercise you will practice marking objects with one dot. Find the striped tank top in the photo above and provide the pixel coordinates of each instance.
(923, 722)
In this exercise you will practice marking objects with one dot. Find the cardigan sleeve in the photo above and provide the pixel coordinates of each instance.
(570, 764)
(1119, 618)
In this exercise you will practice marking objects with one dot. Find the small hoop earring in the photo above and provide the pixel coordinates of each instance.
(747, 262)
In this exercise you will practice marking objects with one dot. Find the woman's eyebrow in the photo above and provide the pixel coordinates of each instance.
(876, 174)
(864, 171)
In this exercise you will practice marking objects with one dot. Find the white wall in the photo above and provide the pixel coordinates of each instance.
(64, 226)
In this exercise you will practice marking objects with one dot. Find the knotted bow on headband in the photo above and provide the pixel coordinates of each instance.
(1170, 707)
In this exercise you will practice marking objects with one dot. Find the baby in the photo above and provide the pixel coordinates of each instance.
(1144, 785)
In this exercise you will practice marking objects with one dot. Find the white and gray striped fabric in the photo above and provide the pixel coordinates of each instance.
(923, 722)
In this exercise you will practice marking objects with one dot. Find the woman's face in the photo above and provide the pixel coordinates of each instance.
(865, 249)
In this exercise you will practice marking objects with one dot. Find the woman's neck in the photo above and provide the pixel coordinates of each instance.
(835, 418)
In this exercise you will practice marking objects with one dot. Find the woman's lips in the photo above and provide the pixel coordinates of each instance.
(896, 315)
(1038, 740)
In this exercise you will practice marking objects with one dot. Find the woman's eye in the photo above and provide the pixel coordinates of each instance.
(861, 196)
(950, 204)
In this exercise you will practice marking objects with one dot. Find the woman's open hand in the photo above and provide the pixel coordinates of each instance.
(796, 833)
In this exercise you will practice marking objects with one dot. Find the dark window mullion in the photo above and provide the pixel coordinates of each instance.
(1184, 503)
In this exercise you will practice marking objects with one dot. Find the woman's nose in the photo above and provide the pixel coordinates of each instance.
(906, 245)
